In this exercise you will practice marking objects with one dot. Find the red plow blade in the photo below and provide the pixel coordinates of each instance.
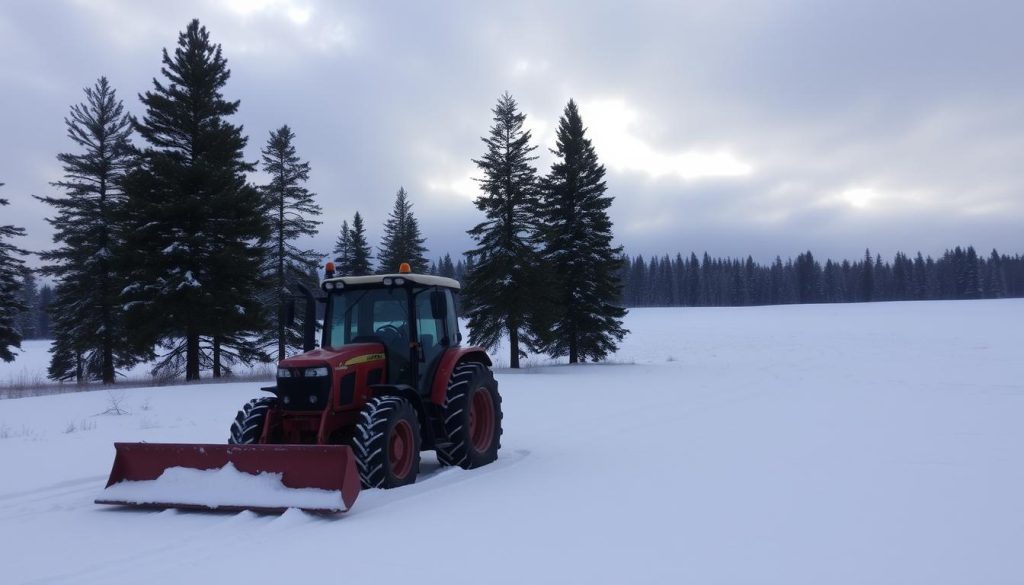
(262, 478)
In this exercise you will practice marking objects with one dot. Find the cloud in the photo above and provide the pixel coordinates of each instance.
(611, 125)
(766, 127)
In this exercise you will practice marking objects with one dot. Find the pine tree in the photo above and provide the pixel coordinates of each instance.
(196, 229)
(502, 292)
(341, 248)
(445, 267)
(359, 249)
(10, 282)
(43, 315)
(290, 210)
(401, 241)
(89, 321)
(29, 294)
(867, 283)
(577, 235)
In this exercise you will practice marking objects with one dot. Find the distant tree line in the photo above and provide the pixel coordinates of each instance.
(960, 273)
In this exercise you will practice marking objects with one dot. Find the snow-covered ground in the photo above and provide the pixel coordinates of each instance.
(26, 375)
(874, 443)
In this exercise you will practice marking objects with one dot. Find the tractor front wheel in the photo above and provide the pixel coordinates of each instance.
(387, 443)
(248, 426)
(472, 417)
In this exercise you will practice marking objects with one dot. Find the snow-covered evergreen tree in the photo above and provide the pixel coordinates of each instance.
(502, 292)
(402, 241)
(10, 284)
(197, 232)
(586, 323)
(290, 211)
(89, 321)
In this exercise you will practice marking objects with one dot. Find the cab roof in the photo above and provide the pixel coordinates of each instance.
(378, 279)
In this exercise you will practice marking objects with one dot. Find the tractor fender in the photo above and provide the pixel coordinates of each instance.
(449, 360)
(427, 432)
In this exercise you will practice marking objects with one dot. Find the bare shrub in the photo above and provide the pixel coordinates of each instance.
(114, 399)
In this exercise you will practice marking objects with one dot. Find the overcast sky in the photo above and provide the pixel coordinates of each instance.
(761, 128)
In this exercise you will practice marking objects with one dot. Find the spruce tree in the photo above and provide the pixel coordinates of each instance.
(29, 294)
(290, 211)
(867, 283)
(577, 232)
(196, 230)
(10, 283)
(445, 267)
(401, 241)
(43, 315)
(359, 250)
(89, 321)
(501, 293)
(341, 248)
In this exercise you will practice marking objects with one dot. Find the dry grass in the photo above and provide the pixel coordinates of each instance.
(24, 385)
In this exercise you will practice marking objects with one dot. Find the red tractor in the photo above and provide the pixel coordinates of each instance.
(389, 380)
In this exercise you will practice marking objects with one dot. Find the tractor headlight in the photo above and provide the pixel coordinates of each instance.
(284, 373)
(399, 281)
(328, 285)
(386, 281)
(315, 372)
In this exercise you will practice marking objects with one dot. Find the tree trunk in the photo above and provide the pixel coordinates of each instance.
(107, 351)
(513, 342)
(108, 359)
(191, 354)
(79, 369)
(574, 345)
(280, 282)
(216, 357)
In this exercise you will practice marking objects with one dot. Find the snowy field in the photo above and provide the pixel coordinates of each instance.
(861, 444)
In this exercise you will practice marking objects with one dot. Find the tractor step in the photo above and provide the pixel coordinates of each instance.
(262, 478)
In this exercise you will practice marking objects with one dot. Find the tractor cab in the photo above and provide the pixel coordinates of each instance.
(411, 315)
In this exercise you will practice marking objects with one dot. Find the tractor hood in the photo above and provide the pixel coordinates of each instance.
(337, 358)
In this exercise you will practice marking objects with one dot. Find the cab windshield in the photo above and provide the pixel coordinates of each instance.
(362, 315)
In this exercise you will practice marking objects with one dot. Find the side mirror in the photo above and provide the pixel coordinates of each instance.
(438, 304)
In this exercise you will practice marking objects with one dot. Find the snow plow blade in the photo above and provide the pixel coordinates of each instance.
(261, 478)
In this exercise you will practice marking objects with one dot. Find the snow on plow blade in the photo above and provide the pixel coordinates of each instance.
(262, 478)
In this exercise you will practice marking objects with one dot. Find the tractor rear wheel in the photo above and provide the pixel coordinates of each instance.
(248, 426)
(472, 417)
(387, 443)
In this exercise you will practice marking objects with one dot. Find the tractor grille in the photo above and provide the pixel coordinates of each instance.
(348, 389)
(303, 393)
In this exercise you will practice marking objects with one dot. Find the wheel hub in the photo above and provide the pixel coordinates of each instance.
(481, 420)
(400, 447)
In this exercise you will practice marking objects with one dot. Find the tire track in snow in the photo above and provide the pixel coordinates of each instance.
(222, 539)
(441, 478)
(234, 532)
(54, 497)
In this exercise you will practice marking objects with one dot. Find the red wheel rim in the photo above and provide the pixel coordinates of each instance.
(481, 420)
(400, 447)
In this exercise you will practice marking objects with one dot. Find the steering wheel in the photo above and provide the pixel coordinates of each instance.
(389, 333)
